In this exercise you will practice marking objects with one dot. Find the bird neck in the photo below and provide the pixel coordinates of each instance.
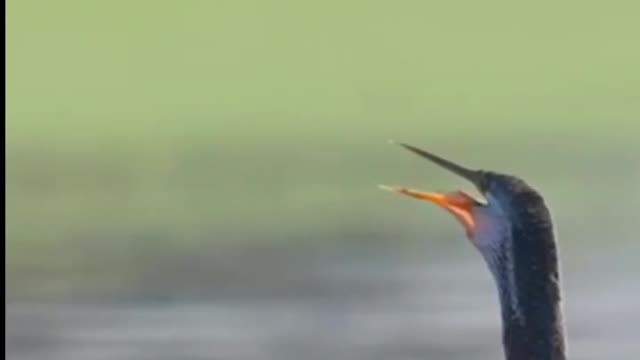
(529, 292)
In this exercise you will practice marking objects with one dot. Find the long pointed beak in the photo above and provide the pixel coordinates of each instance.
(474, 176)
(459, 204)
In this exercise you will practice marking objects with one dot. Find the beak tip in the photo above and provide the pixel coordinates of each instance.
(386, 188)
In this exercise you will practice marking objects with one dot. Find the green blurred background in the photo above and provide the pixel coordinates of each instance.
(219, 151)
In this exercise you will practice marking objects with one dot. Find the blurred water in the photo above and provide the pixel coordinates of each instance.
(354, 274)
(412, 310)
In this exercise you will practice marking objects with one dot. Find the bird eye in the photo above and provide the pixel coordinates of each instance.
(483, 182)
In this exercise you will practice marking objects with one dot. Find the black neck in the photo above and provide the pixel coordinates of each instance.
(529, 290)
(525, 266)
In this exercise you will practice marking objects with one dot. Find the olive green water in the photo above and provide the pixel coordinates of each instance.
(198, 180)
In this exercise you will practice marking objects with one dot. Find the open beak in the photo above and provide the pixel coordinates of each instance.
(459, 204)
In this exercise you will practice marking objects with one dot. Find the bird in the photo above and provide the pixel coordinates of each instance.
(513, 231)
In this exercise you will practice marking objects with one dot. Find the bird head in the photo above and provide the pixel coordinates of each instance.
(488, 222)
(512, 229)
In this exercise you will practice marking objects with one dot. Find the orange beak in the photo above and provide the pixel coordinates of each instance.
(459, 204)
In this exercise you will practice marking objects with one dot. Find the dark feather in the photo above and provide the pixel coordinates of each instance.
(536, 332)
